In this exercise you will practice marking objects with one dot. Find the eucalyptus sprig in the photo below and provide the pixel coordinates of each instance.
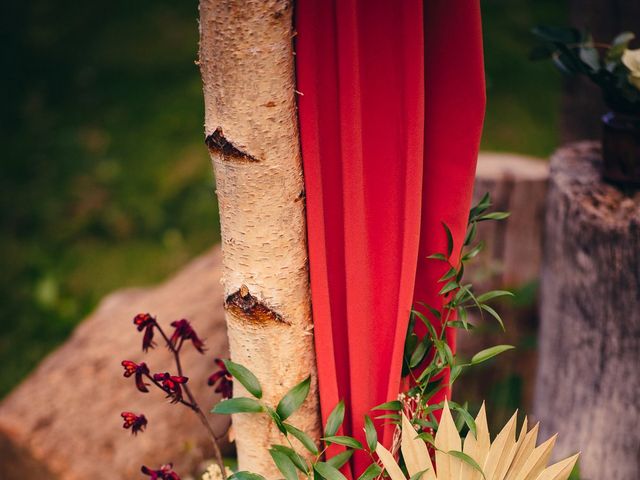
(427, 359)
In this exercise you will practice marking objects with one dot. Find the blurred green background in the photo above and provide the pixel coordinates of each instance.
(106, 182)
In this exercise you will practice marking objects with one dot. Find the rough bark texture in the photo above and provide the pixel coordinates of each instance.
(246, 61)
(588, 384)
(582, 104)
(511, 260)
(63, 422)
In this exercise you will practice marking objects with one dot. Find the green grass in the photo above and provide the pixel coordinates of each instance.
(522, 96)
(105, 180)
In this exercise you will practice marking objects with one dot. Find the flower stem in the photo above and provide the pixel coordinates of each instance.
(194, 404)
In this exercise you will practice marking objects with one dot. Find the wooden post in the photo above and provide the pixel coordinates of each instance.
(588, 387)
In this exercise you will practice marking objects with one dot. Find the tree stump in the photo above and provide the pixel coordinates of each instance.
(517, 184)
(588, 387)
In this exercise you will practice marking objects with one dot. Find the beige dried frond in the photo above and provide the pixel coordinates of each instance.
(506, 458)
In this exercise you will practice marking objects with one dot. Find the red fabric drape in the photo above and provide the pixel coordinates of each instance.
(391, 108)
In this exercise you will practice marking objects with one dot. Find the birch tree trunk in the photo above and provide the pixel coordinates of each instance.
(247, 66)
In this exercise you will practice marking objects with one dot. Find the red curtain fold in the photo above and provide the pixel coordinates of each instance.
(391, 108)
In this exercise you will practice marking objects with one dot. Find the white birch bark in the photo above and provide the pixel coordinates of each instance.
(247, 67)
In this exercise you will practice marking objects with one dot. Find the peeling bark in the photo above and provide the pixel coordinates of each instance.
(246, 62)
(219, 145)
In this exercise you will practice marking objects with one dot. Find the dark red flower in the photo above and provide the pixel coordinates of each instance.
(135, 422)
(184, 331)
(132, 368)
(165, 473)
(146, 322)
(171, 385)
(225, 387)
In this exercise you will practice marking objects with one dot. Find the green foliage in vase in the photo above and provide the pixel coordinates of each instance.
(613, 67)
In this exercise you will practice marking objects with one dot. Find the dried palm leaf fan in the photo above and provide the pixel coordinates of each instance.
(506, 458)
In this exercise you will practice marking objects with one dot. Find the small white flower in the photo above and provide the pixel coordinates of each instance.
(631, 60)
(213, 472)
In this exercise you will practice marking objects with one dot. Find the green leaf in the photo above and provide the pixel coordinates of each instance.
(460, 324)
(494, 216)
(431, 369)
(456, 370)
(450, 274)
(448, 353)
(427, 437)
(623, 38)
(344, 440)
(480, 207)
(418, 354)
(431, 389)
(466, 459)
(590, 57)
(462, 315)
(452, 285)
(338, 460)
(328, 471)
(464, 417)
(493, 294)
(245, 377)
(284, 464)
(488, 353)
(370, 433)
(567, 63)
(473, 252)
(372, 471)
(293, 399)
(437, 256)
(418, 475)
(244, 475)
(493, 313)
(392, 416)
(557, 34)
(296, 459)
(471, 234)
(302, 437)
(335, 420)
(620, 44)
(238, 405)
(276, 419)
(449, 239)
(426, 321)
(392, 405)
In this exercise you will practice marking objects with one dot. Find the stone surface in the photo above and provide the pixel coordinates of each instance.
(63, 422)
